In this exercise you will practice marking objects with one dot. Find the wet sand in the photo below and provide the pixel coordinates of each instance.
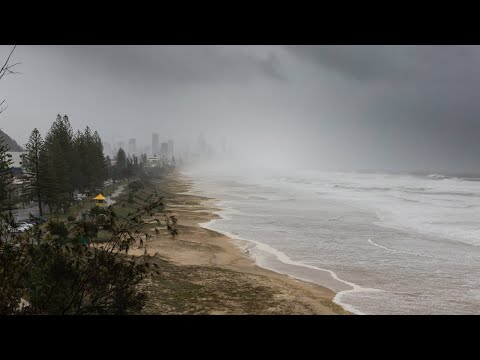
(205, 272)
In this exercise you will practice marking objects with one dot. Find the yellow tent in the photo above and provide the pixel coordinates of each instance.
(99, 200)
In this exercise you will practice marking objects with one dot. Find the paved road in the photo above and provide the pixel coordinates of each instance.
(21, 214)
(109, 199)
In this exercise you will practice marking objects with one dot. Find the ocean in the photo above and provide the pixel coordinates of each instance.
(385, 243)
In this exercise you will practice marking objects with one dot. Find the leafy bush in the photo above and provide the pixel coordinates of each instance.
(97, 210)
(83, 281)
(71, 218)
(88, 229)
(58, 228)
(134, 186)
(101, 219)
(68, 275)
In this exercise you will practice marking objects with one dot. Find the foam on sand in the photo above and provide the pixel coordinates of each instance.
(256, 253)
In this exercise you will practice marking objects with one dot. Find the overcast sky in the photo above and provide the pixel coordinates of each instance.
(341, 107)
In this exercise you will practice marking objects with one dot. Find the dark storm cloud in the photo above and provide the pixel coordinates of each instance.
(358, 62)
(172, 64)
(350, 107)
(388, 63)
(420, 103)
(132, 91)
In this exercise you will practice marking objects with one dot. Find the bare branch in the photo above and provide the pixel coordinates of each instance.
(2, 108)
(8, 59)
(6, 69)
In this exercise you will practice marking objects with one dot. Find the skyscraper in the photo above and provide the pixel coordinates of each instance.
(170, 148)
(107, 149)
(202, 144)
(120, 144)
(164, 149)
(132, 146)
(155, 144)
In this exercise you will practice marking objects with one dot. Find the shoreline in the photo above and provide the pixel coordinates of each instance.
(232, 282)
(284, 259)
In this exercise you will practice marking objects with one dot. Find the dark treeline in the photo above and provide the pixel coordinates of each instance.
(62, 164)
(5, 176)
(126, 167)
(65, 163)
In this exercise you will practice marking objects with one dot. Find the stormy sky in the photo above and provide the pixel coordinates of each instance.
(405, 108)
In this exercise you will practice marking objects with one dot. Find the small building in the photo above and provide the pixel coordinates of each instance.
(153, 161)
(99, 200)
(17, 162)
(164, 149)
(19, 191)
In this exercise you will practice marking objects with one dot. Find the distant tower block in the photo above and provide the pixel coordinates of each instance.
(170, 148)
(155, 144)
(202, 144)
(164, 149)
(132, 146)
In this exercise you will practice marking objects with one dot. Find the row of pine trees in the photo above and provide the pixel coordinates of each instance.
(63, 162)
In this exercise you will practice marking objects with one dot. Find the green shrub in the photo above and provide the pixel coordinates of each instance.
(58, 228)
(101, 219)
(135, 186)
(97, 210)
(67, 275)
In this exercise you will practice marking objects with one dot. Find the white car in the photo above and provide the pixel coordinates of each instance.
(23, 226)
(79, 197)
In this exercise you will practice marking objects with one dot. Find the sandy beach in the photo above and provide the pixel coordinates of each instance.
(205, 272)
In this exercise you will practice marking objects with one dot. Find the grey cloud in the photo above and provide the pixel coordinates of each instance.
(171, 64)
(359, 62)
(417, 105)
(395, 62)
(377, 107)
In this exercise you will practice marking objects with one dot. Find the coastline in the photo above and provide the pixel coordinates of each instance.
(294, 269)
(219, 276)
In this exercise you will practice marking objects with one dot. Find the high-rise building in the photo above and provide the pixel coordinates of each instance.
(120, 144)
(155, 144)
(107, 149)
(202, 145)
(170, 148)
(132, 146)
(164, 149)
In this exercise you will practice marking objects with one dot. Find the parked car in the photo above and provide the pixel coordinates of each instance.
(36, 220)
(78, 197)
(24, 225)
(20, 227)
